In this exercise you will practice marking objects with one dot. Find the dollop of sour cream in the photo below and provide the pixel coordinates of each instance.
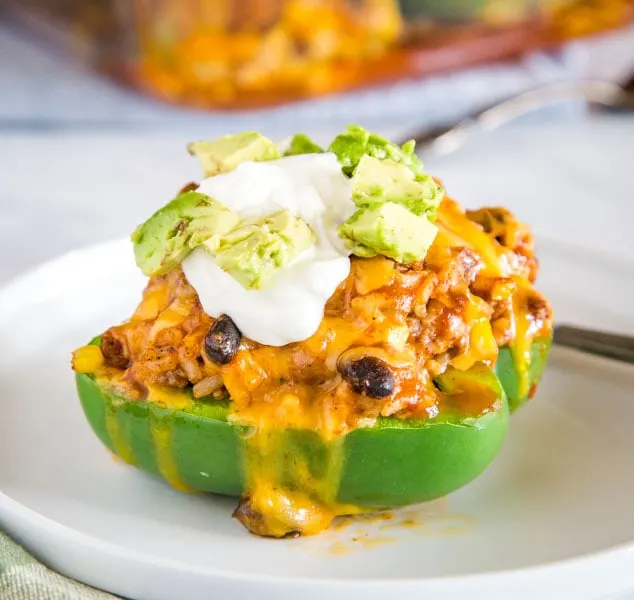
(291, 305)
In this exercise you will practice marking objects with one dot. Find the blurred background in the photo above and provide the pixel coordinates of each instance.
(231, 62)
(253, 53)
(98, 97)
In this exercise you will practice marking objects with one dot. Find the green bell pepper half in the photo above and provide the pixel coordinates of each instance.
(519, 387)
(393, 463)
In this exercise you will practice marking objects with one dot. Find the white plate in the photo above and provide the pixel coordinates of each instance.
(552, 518)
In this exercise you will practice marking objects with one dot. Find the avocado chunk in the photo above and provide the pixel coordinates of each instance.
(301, 144)
(171, 233)
(226, 153)
(257, 248)
(356, 142)
(378, 181)
(389, 229)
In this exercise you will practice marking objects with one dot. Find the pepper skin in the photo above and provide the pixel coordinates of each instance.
(508, 371)
(393, 463)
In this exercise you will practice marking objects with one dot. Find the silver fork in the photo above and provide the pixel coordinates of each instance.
(446, 139)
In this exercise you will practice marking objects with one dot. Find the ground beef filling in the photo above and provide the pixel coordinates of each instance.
(388, 331)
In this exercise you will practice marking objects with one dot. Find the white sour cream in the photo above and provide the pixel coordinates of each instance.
(291, 305)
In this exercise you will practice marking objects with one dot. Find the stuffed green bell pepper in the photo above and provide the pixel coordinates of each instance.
(296, 480)
(323, 332)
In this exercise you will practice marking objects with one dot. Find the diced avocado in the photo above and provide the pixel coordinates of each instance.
(226, 153)
(351, 145)
(171, 233)
(378, 181)
(389, 229)
(301, 144)
(255, 250)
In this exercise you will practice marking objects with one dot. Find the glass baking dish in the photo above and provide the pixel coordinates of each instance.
(252, 53)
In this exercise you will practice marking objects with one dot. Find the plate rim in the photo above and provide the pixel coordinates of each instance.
(582, 563)
(581, 560)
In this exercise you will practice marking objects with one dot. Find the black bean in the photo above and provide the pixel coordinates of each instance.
(222, 341)
(369, 376)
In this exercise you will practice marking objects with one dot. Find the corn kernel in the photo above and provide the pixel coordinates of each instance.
(87, 359)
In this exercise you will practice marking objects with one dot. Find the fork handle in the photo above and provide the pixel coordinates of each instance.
(444, 140)
(599, 343)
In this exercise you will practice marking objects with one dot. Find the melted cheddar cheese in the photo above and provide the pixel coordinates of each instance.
(472, 294)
